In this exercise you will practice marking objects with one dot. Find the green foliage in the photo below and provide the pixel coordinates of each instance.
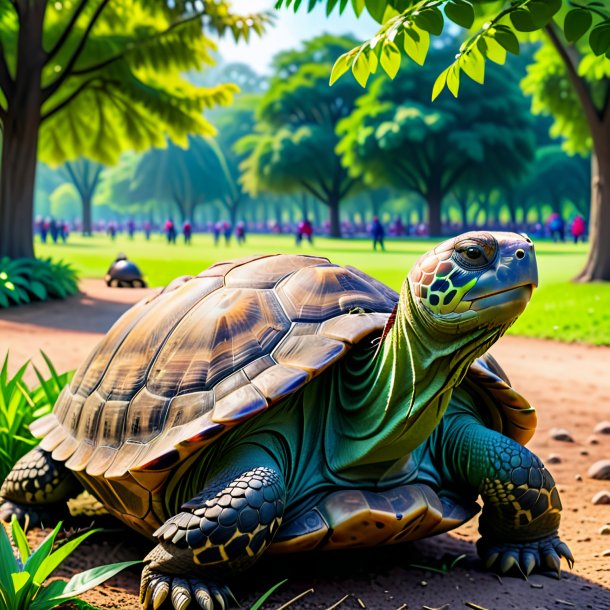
(265, 596)
(24, 280)
(498, 28)
(20, 406)
(65, 202)
(22, 578)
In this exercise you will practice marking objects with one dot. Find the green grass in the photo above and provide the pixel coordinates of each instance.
(559, 310)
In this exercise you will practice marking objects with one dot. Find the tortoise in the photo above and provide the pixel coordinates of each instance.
(123, 273)
(284, 404)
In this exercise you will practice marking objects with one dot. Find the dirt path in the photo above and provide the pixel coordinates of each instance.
(569, 385)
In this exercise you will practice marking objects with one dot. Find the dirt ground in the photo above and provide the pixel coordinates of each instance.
(569, 385)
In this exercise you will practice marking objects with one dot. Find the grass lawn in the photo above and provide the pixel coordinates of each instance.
(559, 309)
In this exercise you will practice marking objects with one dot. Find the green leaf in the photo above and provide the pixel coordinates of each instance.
(540, 12)
(523, 21)
(439, 83)
(42, 552)
(460, 12)
(453, 79)
(88, 579)
(8, 563)
(19, 539)
(20, 579)
(577, 22)
(416, 44)
(361, 69)
(390, 58)
(431, 20)
(495, 52)
(508, 40)
(259, 602)
(340, 68)
(599, 39)
(474, 65)
(376, 8)
(358, 7)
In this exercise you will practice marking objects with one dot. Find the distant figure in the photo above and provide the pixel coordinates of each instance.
(112, 229)
(131, 228)
(217, 231)
(147, 229)
(377, 233)
(240, 233)
(556, 227)
(187, 231)
(63, 230)
(170, 231)
(227, 230)
(304, 230)
(578, 229)
(53, 230)
(398, 227)
(41, 228)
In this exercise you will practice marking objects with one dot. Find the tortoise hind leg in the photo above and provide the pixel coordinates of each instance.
(37, 486)
(223, 530)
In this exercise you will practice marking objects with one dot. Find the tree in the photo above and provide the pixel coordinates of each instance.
(93, 78)
(293, 148)
(576, 48)
(398, 137)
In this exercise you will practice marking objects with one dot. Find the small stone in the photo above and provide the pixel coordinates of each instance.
(606, 553)
(600, 470)
(535, 585)
(604, 530)
(603, 427)
(592, 440)
(560, 434)
(584, 452)
(423, 583)
(601, 497)
(578, 477)
(553, 459)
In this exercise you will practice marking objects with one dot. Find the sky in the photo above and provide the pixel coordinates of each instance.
(290, 29)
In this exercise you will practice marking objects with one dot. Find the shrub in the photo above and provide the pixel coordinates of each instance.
(29, 279)
(22, 578)
(20, 406)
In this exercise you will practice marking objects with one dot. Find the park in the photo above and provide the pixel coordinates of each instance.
(313, 296)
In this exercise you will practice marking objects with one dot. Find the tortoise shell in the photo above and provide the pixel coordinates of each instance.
(210, 351)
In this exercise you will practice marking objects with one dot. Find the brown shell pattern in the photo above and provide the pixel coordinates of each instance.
(204, 354)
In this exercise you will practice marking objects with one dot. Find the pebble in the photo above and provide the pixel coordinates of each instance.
(584, 452)
(606, 553)
(603, 427)
(423, 583)
(578, 477)
(560, 434)
(604, 530)
(553, 459)
(600, 470)
(592, 440)
(601, 497)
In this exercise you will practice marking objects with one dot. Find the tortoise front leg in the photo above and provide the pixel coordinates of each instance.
(37, 487)
(218, 533)
(521, 506)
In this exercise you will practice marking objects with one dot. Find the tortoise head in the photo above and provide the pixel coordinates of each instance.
(477, 279)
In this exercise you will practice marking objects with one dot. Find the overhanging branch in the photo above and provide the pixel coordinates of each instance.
(67, 71)
(6, 82)
(70, 98)
(59, 43)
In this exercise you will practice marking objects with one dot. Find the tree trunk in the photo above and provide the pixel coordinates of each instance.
(87, 228)
(597, 266)
(434, 201)
(335, 223)
(20, 141)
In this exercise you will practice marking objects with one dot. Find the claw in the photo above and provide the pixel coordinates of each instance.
(563, 550)
(160, 594)
(508, 561)
(491, 560)
(181, 595)
(529, 562)
(203, 597)
(219, 597)
(553, 562)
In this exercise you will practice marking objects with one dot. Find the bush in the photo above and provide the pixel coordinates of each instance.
(31, 279)
(20, 406)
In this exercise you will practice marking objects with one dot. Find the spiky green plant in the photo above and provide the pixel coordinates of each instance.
(20, 406)
(26, 279)
(22, 578)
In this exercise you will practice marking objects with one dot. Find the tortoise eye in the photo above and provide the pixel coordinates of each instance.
(473, 255)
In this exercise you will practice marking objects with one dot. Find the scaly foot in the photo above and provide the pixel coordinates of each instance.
(544, 554)
(180, 592)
